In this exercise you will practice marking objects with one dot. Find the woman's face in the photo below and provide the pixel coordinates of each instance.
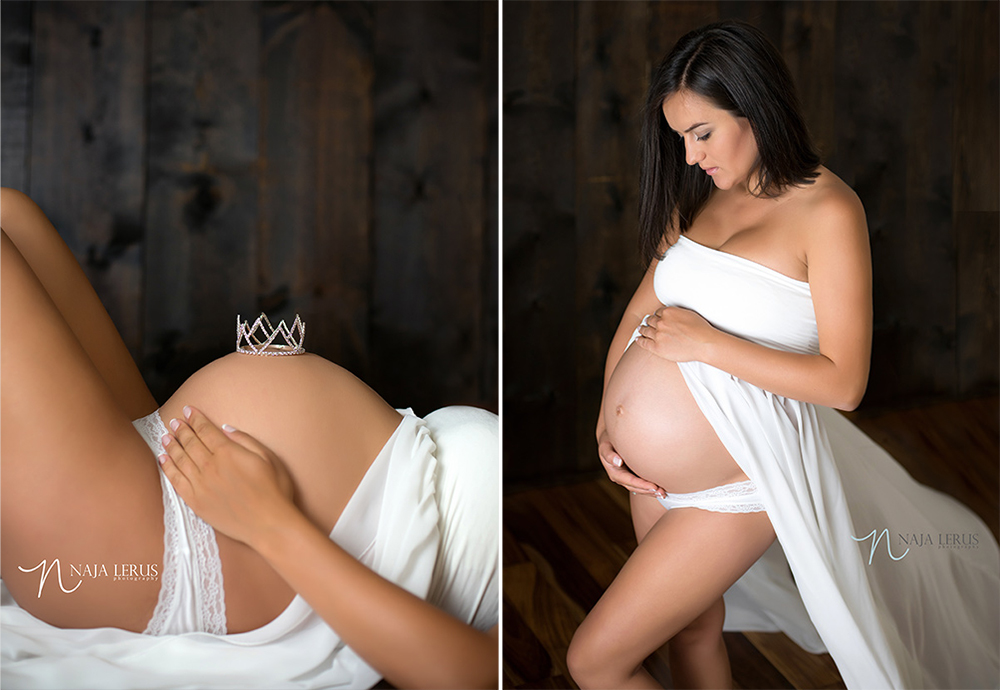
(719, 143)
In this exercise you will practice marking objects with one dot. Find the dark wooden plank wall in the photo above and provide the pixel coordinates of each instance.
(902, 99)
(335, 159)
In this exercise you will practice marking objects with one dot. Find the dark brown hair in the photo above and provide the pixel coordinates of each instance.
(735, 67)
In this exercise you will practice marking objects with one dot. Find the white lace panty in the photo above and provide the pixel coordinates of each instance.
(192, 598)
(740, 497)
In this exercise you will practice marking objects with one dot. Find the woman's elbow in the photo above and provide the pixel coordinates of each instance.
(850, 397)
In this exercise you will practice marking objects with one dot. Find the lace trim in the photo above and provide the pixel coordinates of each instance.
(739, 497)
(209, 592)
(212, 602)
(168, 578)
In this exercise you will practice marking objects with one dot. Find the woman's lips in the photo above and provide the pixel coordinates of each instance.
(711, 171)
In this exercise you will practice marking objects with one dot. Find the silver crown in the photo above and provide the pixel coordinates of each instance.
(257, 343)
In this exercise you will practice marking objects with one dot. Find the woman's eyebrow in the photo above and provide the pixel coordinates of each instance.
(697, 124)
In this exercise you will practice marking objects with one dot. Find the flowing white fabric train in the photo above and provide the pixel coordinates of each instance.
(839, 577)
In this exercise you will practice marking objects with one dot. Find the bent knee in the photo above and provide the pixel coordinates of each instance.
(590, 662)
(579, 660)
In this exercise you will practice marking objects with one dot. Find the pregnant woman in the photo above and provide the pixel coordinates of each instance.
(753, 320)
(338, 523)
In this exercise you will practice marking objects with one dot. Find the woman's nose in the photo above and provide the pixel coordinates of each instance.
(693, 153)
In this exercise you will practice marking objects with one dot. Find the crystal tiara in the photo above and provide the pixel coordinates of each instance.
(254, 340)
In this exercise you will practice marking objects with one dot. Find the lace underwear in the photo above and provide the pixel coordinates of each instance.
(192, 598)
(740, 497)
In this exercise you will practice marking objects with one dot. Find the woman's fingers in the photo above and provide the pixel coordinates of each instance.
(210, 436)
(610, 457)
(184, 446)
(619, 473)
(622, 476)
(639, 485)
(176, 464)
(177, 454)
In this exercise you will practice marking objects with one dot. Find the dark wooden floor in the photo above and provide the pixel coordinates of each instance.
(564, 545)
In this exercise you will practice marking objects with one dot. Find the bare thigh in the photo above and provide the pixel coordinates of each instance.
(74, 298)
(681, 568)
(78, 484)
(321, 421)
(646, 512)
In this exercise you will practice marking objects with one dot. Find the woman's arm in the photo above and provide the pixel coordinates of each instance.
(241, 489)
(839, 261)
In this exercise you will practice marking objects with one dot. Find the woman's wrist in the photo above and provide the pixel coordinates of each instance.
(708, 351)
(276, 532)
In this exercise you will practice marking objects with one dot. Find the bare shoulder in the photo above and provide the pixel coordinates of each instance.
(835, 229)
(832, 205)
(830, 214)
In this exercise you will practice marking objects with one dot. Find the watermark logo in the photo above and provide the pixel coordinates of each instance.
(943, 540)
(44, 575)
(876, 540)
(120, 572)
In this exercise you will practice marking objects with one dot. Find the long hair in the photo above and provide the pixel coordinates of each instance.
(733, 66)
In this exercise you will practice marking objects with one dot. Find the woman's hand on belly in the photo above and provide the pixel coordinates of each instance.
(239, 487)
(619, 473)
(228, 478)
(676, 334)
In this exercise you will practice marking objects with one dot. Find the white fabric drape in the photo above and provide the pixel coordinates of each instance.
(930, 619)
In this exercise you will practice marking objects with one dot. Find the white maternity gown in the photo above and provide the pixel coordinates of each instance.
(930, 619)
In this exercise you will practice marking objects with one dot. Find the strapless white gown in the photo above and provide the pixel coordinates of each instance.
(930, 619)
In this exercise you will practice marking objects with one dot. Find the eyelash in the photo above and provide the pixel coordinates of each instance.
(704, 138)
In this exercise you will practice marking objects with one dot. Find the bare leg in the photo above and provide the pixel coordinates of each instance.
(683, 565)
(78, 481)
(697, 654)
(74, 298)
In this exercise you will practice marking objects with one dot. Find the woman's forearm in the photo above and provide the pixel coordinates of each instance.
(409, 641)
(810, 378)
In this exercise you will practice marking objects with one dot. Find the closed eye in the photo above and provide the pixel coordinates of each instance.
(703, 138)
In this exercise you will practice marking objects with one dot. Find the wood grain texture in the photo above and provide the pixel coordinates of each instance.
(15, 93)
(912, 137)
(609, 93)
(976, 211)
(903, 171)
(209, 159)
(808, 41)
(315, 186)
(429, 178)
(539, 237)
(564, 544)
(202, 194)
(489, 374)
(88, 142)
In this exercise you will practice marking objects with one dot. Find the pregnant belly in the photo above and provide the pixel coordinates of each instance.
(323, 423)
(658, 429)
